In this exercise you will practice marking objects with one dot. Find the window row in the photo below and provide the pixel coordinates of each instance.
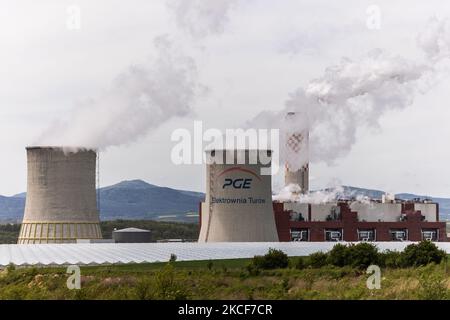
(303, 234)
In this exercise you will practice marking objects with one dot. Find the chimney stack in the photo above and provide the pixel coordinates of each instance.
(297, 153)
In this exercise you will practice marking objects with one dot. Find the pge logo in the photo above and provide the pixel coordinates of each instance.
(238, 183)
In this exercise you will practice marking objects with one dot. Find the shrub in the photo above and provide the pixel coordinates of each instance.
(252, 269)
(11, 267)
(362, 255)
(390, 259)
(339, 256)
(421, 254)
(318, 259)
(166, 286)
(300, 263)
(274, 259)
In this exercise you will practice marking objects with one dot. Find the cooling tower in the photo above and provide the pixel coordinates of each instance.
(297, 154)
(61, 203)
(238, 205)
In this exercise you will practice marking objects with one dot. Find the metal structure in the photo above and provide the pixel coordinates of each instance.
(297, 155)
(238, 204)
(61, 204)
(117, 253)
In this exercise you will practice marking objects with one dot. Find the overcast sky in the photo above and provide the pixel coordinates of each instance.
(249, 56)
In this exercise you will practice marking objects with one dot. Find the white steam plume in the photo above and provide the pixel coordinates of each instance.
(349, 95)
(435, 39)
(292, 193)
(201, 18)
(140, 99)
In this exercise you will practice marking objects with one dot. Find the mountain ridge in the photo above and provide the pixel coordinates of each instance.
(138, 199)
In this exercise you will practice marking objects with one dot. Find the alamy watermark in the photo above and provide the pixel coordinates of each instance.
(74, 280)
(373, 21)
(262, 144)
(374, 280)
(73, 21)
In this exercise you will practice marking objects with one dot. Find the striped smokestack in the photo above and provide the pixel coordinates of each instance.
(297, 154)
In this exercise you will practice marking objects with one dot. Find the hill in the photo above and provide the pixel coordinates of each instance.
(133, 200)
(137, 199)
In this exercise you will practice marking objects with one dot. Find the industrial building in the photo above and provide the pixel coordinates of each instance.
(227, 216)
(61, 201)
(345, 220)
(386, 219)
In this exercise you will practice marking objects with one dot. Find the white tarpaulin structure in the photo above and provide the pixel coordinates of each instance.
(115, 253)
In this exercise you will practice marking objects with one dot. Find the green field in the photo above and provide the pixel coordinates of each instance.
(223, 279)
(339, 274)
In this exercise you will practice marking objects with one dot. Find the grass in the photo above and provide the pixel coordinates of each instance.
(180, 265)
(223, 279)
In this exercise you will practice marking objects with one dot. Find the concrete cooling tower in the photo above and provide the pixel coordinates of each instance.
(61, 204)
(238, 205)
(297, 154)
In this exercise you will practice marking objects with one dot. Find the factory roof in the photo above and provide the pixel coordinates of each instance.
(131, 230)
(59, 148)
(110, 253)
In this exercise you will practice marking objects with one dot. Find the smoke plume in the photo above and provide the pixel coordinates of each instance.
(140, 99)
(349, 95)
(356, 93)
(292, 193)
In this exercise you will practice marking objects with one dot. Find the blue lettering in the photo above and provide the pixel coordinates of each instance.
(228, 182)
(238, 183)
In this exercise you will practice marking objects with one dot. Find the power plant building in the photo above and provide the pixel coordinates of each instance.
(228, 215)
(347, 220)
(61, 201)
